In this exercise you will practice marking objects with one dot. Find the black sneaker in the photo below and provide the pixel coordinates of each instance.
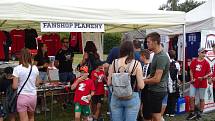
(191, 116)
(199, 115)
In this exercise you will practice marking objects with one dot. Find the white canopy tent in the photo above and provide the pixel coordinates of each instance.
(200, 18)
(117, 15)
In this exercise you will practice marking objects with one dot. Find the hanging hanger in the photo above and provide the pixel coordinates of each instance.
(18, 27)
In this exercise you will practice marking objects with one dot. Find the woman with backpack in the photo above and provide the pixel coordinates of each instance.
(126, 78)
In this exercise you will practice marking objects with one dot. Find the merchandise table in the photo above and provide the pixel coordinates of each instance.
(51, 89)
(3, 65)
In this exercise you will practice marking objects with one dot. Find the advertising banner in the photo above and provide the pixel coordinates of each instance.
(71, 27)
(207, 40)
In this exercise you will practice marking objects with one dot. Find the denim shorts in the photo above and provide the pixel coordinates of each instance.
(125, 110)
(43, 76)
(164, 101)
(199, 92)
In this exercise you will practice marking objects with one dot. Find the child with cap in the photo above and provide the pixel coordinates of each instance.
(99, 78)
(84, 90)
(199, 73)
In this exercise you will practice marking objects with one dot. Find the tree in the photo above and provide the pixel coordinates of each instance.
(174, 5)
(189, 5)
(111, 40)
(170, 5)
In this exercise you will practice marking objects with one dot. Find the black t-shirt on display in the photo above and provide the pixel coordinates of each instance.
(30, 38)
(41, 61)
(65, 60)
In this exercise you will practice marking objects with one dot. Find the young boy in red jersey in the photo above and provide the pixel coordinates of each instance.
(98, 76)
(84, 90)
(199, 73)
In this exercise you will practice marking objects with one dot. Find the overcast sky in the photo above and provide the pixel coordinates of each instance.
(156, 3)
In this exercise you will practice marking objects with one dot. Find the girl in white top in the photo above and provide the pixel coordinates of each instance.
(26, 101)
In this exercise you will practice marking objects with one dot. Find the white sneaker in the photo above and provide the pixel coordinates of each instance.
(45, 109)
(38, 111)
(162, 119)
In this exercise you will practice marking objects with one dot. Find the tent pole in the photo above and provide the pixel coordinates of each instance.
(102, 41)
(1, 24)
(184, 38)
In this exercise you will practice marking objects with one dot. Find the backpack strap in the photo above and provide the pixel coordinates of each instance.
(114, 68)
(134, 67)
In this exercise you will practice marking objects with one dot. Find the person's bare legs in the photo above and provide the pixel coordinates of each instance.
(192, 103)
(12, 117)
(163, 109)
(31, 116)
(97, 112)
(77, 116)
(156, 117)
(202, 104)
(1, 119)
(23, 116)
(141, 110)
(93, 109)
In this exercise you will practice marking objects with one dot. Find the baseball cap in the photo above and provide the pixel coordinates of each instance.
(84, 69)
(201, 50)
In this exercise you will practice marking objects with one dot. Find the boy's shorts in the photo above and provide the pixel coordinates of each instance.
(164, 101)
(83, 109)
(97, 99)
(2, 111)
(197, 91)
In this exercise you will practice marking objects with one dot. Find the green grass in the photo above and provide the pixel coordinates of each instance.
(60, 114)
(79, 57)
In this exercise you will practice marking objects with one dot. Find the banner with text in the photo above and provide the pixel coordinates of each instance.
(70, 27)
(207, 40)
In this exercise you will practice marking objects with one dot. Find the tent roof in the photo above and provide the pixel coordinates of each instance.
(200, 18)
(117, 15)
(202, 12)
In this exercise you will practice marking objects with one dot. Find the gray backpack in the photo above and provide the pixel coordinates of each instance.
(121, 81)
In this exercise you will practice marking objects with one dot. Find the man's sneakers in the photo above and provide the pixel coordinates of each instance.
(170, 115)
(191, 116)
(195, 115)
(38, 111)
(199, 115)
